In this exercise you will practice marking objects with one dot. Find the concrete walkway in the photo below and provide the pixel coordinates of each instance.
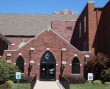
(47, 85)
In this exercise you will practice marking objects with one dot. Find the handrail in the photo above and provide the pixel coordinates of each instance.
(64, 81)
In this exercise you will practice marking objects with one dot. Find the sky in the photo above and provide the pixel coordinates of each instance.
(45, 6)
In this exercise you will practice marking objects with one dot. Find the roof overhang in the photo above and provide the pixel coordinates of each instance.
(4, 39)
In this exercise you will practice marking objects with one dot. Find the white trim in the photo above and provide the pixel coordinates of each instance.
(75, 74)
(55, 33)
(9, 50)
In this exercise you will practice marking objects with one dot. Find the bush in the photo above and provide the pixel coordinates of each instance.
(105, 75)
(107, 83)
(7, 85)
(96, 65)
(7, 71)
(97, 82)
(75, 79)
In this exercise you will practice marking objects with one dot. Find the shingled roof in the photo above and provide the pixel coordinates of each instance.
(29, 24)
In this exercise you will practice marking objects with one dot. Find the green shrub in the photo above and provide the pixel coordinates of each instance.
(105, 75)
(7, 71)
(97, 82)
(75, 79)
(107, 83)
(7, 85)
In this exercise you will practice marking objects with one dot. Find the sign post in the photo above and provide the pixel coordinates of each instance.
(18, 77)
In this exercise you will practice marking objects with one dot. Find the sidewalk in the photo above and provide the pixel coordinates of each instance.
(46, 85)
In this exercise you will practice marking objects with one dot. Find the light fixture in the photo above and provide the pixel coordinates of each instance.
(47, 48)
(31, 62)
(32, 49)
(87, 56)
(9, 55)
(63, 49)
(64, 63)
(8, 61)
(12, 44)
(20, 53)
(75, 55)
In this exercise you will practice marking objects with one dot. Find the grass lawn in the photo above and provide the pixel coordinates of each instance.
(88, 86)
(21, 86)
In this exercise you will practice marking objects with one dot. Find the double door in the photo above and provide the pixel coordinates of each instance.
(48, 71)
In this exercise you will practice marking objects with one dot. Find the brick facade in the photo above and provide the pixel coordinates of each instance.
(97, 29)
(102, 37)
(47, 39)
(92, 15)
(61, 27)
(16, 40)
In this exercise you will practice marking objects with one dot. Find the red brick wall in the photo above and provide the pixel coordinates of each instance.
(92, 19)
(64, 28)
(76, 40)
(51, 40)
(102, 41)
(17, 40)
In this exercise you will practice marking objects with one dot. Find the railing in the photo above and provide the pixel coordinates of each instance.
(33, 82)
(65, 83)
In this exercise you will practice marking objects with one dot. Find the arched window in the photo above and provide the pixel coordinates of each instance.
(48, 58)
(20, 63)
(75, 66)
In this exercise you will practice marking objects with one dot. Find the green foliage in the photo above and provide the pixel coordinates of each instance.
(107, 83)
(97, 82)
(105, 74)
(89, 86)
(7, 85)
(98, 65)
(7, 71)
(75, 79)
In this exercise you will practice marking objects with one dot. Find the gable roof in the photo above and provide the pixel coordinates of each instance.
(29, 24)
(50, 31)
(4, 39)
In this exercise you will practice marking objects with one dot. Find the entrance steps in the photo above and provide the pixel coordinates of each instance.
(48, 85)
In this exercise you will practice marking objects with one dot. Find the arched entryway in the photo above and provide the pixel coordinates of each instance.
(48, 67)
(20, 63)
(75, 66)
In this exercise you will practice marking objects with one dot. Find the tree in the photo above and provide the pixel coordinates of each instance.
(98, 66)
(7, 71)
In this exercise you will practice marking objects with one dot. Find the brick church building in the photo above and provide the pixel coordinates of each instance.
(49, 45)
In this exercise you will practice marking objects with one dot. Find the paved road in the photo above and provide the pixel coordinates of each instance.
(46, 85)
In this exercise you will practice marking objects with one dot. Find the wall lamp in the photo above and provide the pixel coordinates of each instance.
(32, 49)
(63, 49)
(64, 63)
(31, 62)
